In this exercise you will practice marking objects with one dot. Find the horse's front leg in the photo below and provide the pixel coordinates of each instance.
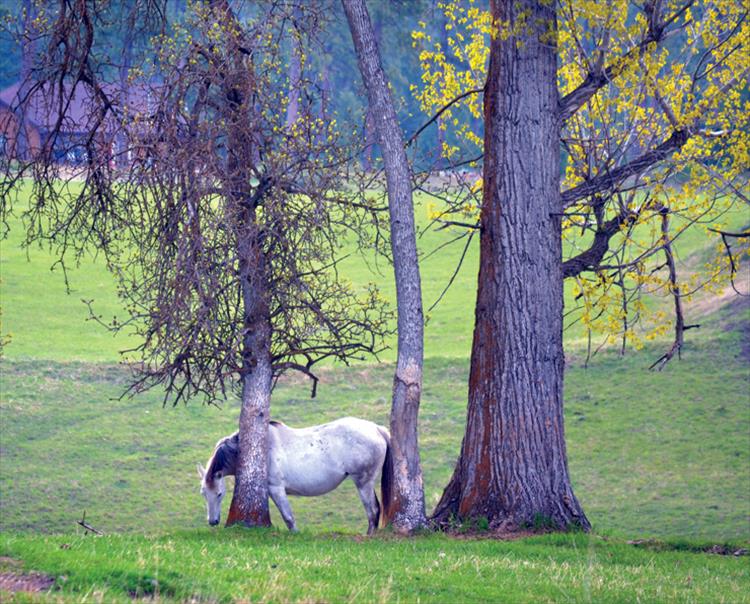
(278, 494)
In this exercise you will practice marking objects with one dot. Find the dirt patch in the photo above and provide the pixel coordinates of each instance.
(723, 550)
(497, 535)
(5, 562)
(736, 308)
(707, 303)
(720, 549)
(32, 582)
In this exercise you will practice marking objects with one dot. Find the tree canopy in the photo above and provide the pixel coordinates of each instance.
(654, 107)
(179, 155)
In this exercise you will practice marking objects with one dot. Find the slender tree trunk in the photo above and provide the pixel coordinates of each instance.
(370, 135)
(295, 75)
(250, 498)
(22, 145)
(121, 158)
(406, 509)
(513, 466)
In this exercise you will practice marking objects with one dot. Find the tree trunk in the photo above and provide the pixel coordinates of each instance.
(513, 466)
(406, 508)
(121, 154)
(295, 76)
(22, 146)
(250, 498)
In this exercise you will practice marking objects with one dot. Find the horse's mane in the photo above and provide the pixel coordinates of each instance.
(224, 458)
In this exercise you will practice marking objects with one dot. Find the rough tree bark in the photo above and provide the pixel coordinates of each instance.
(513, 465)
(406, 508)
(250, 498)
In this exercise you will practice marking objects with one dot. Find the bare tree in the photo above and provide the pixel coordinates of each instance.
(406, 507)
(224, 230)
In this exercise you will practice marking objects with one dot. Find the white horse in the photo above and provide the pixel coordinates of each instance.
(308, 462)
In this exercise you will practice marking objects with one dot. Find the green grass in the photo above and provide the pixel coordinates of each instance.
(662, 456)
(270, 566)
(45, 322)
(651, 454)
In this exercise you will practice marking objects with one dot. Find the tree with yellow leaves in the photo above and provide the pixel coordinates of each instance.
(609, 127)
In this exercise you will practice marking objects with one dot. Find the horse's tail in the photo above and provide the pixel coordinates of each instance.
(386, 480)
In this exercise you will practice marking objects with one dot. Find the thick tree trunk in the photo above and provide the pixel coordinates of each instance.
(513, 466)
(406, 508)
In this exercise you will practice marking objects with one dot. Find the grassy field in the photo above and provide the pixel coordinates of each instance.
(662, 457)
(651, 454)
(47, 323)
(270, 566)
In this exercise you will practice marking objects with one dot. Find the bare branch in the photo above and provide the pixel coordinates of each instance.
(440, 112)
(455, 272)
(592, 257)
(674, 289)
(282, 367)
(725, 235)
(613, 178)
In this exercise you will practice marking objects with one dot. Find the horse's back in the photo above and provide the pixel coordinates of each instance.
(315, 460)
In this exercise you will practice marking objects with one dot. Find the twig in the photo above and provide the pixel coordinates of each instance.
(680, 328)
(87, 526)
(442, 110)
(453, 276)
(732, 265)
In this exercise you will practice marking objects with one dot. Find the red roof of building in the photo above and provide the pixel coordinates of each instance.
(42, 104)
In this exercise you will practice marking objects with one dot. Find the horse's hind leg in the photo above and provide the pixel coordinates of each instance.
(366, 489)
(278, 495)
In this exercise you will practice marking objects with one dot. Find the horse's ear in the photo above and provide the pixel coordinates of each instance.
(201, 471)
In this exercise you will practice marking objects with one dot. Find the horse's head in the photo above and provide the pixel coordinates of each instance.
(213, 490)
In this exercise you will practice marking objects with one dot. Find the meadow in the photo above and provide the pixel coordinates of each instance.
(660, 461)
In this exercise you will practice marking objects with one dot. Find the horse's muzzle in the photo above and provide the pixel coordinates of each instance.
(213, 522)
